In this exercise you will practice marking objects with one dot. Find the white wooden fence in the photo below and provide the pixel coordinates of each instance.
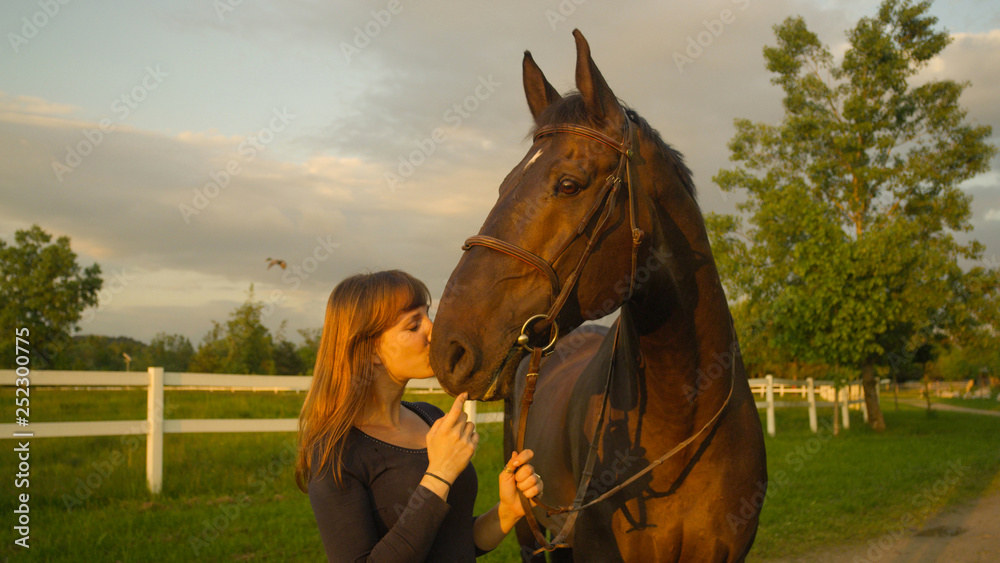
(155, 426)
(850, 395)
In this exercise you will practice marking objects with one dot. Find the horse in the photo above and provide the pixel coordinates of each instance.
(646, 434)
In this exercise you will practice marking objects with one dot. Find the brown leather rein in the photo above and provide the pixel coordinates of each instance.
(607, 197)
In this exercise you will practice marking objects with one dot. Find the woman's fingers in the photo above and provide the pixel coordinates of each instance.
(528, 482)
(468, 429)
(524, 456)
(518, 459)
(457, 408)
(523, 473)
(532, 492)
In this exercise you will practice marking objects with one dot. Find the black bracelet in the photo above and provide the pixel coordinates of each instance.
(438, 478)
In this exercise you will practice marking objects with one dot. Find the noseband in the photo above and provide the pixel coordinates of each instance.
(607, 197)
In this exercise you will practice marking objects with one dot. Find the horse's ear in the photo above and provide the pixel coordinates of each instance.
(537, 89)
(597, 95)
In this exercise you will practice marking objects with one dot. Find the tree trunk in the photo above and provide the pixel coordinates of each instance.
(869, 380)
(895, 389)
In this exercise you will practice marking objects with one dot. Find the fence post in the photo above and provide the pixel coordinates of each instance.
(812, 404)
(470, 409)
(154, 431)
(864, 403)
(770, 404)
(845, 416)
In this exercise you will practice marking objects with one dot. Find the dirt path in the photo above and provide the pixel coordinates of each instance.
(950, 408)
(967, 533)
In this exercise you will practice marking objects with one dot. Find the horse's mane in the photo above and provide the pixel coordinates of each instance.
(571, 109)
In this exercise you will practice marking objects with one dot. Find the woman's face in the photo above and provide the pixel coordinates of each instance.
(404, 349)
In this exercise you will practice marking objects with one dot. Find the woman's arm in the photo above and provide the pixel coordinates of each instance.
(346, 524)
(492, 527)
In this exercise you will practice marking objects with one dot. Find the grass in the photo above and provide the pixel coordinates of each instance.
(231, 497)
(991, 404)
(828, 491)
(983, 404)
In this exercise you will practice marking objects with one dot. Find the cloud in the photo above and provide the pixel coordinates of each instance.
(32, 105)
(409, 103)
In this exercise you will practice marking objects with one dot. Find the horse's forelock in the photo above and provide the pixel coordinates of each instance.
(571, 109)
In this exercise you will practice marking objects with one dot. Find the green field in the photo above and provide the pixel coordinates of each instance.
(231, 497)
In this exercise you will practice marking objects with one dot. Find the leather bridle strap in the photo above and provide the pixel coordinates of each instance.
(605, 197)
(521, 254)
(621, 147)
(588, 467)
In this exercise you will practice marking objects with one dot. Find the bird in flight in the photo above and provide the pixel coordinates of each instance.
(275, 262)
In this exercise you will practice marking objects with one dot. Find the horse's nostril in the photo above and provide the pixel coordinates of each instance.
(460, 362)
(457, 352)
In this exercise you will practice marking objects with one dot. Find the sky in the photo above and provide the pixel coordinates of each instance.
(181, 144)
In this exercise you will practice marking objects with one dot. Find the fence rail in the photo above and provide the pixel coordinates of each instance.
(154, 426)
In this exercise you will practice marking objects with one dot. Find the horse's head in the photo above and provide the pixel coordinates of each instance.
(572, 234)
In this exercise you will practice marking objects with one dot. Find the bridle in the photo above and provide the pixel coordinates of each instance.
(607, 198)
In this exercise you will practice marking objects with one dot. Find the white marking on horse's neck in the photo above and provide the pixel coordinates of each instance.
(533, 159)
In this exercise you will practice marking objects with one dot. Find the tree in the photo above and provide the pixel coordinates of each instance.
(93, 352)
(972, 350)
(310, 347)
(211, 353)
(172, 352)
(853, 198)
(286, 358)
(242, 345)
(43, 289)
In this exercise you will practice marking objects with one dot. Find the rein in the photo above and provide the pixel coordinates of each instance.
(606, 197)
(578, 503)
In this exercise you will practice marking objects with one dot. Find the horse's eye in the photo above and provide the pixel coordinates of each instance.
(568, 187)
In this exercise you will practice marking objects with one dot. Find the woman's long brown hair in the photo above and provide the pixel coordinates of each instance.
(359, 310)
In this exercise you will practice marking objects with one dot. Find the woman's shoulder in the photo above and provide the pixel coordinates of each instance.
(427, 411)
(356, 457)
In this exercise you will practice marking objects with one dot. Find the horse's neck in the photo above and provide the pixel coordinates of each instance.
(684, 359)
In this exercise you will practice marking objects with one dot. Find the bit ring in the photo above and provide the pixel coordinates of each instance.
(523, 338)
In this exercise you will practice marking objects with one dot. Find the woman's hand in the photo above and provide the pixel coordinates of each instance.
(491, 527)
(517, 476)
(451, 442)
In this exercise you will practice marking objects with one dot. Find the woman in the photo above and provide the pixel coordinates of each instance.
(390, 480)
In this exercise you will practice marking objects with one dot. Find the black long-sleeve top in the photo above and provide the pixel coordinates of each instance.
(382, 514)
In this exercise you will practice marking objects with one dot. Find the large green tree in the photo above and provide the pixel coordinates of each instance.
(43, 289)
(853, 198)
